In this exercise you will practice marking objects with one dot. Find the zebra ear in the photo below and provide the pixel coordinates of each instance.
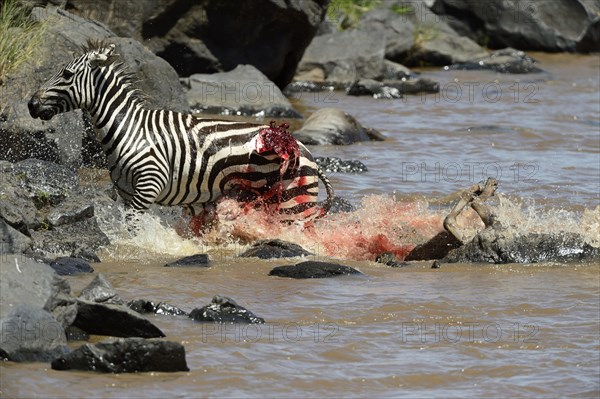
(100, 56)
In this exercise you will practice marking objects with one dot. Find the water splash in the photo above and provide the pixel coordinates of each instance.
(380, 223)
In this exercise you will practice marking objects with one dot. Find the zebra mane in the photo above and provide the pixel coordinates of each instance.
(121, 68)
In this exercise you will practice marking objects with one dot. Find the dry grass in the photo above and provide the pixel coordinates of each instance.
(19, 36)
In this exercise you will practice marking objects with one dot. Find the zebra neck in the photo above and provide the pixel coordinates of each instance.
(115, 104)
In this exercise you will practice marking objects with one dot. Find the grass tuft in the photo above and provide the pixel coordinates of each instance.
(20, 36)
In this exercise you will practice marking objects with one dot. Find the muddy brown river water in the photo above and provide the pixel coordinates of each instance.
(528, 330)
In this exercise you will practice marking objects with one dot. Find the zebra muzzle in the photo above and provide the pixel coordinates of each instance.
(38, 110)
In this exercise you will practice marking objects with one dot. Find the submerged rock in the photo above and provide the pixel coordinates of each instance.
(224, 310)
(66, 266)
(313, 269)
(337, 165)
(198, 260)
(498, 245)
(389, 259)
(370, 87)
(31, 334)
(144, 306)
(504, 61)
(334, 126)
(113, 320)
(340, 204)
(25, 281)
(125, 355)
(269, 249)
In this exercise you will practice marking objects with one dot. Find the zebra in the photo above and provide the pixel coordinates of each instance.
(172, 158)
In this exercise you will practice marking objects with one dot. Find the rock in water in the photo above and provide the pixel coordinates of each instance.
(497, 245)
(389, 259)
(113, 320)
(198, 260)
(125, 355)
(334, 126)
(269, 249)
(337, 165)
(144, 306)
(67, 266)
(224, 310)
(100, 290)
(31, 334)
(313, 269)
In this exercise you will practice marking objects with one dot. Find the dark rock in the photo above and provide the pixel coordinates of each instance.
(313, 269)
(12, 241)
(113, 320)
(144, 306)
(24, 281)
(100, 290)
(198, 260)
(369, 87)
(334, 126)
(224, 310)
(337, 165)
(78, 240)
(500, 245)
(558, 25)
(31, 334)
(269, 249)
(65, 266)
(346, 56)
(76, 334)
(389, 259)
(436, 248)
(503, 61)
(125, 355)
(242, 91)
(60, 139)
(436, 264)
(413, 86)
(340, 204)
(213, 36)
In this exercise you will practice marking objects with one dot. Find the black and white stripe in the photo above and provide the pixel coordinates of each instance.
(171, 158)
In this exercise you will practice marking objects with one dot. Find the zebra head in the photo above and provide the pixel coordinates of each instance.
(71, 87)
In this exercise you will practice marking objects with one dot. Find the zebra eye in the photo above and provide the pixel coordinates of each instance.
(66, 74)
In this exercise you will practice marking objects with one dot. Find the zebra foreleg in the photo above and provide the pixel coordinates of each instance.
(202, 217)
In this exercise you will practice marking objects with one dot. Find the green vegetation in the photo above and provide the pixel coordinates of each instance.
(347, 13)
(19, 35)
(42, 199)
